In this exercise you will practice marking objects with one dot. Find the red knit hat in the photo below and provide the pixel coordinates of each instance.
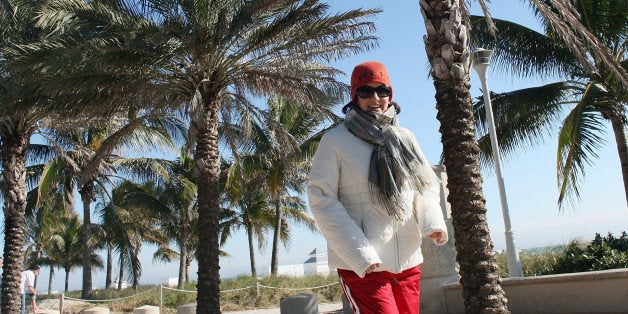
(369, 72)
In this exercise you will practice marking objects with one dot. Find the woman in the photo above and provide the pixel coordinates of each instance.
(374, 197)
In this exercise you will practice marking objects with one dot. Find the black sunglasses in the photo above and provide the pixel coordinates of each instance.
(367, 91)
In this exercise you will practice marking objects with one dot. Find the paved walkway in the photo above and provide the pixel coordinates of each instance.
(323, 308)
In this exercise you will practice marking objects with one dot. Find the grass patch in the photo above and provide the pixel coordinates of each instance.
(237, 294)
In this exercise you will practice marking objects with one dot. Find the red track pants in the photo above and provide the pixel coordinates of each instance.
(382, 292)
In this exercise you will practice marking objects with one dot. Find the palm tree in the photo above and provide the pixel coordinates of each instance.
(129, 218)
(582, 99)
(211, 51)
(447, 47)
(247, 207)
(283, 142)
(50, 96)
(17, 124)
(446, 44)
(43, 213)
(64, 249)
(86, 158)
(177, 194)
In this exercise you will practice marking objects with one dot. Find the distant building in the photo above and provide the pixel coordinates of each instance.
(170, 282)
(123, 285)
(314, 265)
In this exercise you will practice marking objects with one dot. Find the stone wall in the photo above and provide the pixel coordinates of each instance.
(591, 292)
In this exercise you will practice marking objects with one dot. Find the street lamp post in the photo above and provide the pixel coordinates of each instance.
(480, 60)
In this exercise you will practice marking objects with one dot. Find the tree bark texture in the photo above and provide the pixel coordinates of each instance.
(121, 272)
(621, 138)
(13, 154)
(274, 260)
(87, 192)
(249, 234)
(447, 48)
(183, 252)
(108, 279)
(207, 170)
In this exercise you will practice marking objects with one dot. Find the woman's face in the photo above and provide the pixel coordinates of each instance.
(373, 97)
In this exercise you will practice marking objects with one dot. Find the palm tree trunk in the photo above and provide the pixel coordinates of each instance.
(121, 273)
(13, 154)
(52, 273)
(87, 191)
(207, 170)
(67, 280)
(188, 261)
(274, 260)
(447, 48)
(109, 271)
(249, 234)
(137, 267)
(183, 251)
(621, 138)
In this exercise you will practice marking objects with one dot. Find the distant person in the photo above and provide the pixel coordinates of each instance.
(375, 197)
(27, 287)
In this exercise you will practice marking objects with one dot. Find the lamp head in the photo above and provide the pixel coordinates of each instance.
(481, 56)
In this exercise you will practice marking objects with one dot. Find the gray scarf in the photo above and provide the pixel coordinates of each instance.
(395, 162)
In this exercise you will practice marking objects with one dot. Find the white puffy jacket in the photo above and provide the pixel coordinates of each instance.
(358, 230)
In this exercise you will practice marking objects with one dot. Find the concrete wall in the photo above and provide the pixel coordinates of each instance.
(439, 261)
(590, 292)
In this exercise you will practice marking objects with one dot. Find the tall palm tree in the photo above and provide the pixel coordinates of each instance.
(447, 47)
(578, 103)
(247, 207)
(283, 143)
(176, 193)
(446, 44)
(64, 249)
(86, 157)
(50, 96)
(208, 51)
(129, 218)
(21, 107)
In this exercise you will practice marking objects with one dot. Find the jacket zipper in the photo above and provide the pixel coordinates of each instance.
(397, 244)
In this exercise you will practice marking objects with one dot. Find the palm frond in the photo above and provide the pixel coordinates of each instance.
(579, 141)
(522, 51)
(522, 117)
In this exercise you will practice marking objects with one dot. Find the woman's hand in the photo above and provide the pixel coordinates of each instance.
(436, 235)
(372, 268)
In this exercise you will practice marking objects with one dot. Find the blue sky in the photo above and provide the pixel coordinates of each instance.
(529, 175)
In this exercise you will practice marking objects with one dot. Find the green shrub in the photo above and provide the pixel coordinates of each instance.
(600, 254)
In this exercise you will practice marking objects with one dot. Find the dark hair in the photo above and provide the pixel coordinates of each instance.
(34, 267)
(353, 105)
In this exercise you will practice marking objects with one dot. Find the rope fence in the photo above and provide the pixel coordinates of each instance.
(159, 289)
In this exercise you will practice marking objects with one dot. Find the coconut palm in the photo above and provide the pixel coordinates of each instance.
(247, 207)
(130, 217)
(64, 248)
(282, 142)
(39, 57)
(578, 103)
(86, 159)
(176, 192)
(208, 51)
